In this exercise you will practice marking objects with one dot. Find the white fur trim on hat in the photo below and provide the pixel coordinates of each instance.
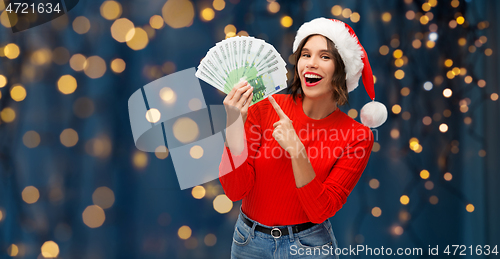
(347, 45)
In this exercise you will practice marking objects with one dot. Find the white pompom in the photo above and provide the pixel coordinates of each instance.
(373, 114)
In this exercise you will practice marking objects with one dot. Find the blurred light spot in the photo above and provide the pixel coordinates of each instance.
(153, 115)
(448, 176)
(12, 250)
(18, 93)
(396, 109)
(121, 28)
(95, 67)
(447, 92)
(460, 19)
(395, 43)
(140, 160)
(405, 91)
(31, 139)
(1, 214)
(494, 96)
(3, 81)
(286, 21)
(481, 83)
(118, 65)
(78, 62)
(11, 51)
(374, 183)
(427, 120)
(410, 15)
(467, 120)
(41, 56)
(184, 232)
(482, 153)
(93, 216)
(397, 230)
(219, 5)
(103, 197)
(222, 204)
(336, 10)
(50, 249)
(429, 185)
(404, 199)
(67, 84)
(443, 127)
(178, 13)
(194, 104)
(156, 22)
(397, 53)
(376, 147)
(229, 28)
(448, 63)
(198, 192)
(394, 133)
(462, 41)
(111, 10)
(469, 207)
(196, 152)
(353, 113)
(207, 14)
(428, 86)
(433, 200)
(242, 33)
(386, 17)
(346, 13)
(168, 95)
(430, 44)
(81, 25)
(6, 22)
(139, 40)
(488, 52)
(210, 239)
(355, 17)
(424, 174)
(273, 7)
(383, 50)
(69, 137)
(185, 130)
(399, 74)
(376, 212)
(98, 147)
(426, 7)
(8, 114)
(399, 62)
(161, 152)
(404, 216)
(30, 194)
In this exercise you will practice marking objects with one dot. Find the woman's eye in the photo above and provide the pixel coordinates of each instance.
(305, 55)
(326, 57)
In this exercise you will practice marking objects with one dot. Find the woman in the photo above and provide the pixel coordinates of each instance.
(298, 157)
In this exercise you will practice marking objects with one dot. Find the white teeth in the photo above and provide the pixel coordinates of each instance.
(312, 76)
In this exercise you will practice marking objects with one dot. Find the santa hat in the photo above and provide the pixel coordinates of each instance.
(373, 114)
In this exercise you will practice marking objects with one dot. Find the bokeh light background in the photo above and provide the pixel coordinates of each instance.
(73, 185)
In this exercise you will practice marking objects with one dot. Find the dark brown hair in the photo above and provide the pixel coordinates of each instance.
(339, 87)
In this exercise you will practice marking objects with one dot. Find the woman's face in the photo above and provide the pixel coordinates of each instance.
(315, 68)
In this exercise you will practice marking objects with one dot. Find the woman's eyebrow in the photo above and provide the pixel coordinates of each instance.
(321, 50)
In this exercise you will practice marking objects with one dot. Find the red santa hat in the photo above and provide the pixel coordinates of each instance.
(373, 114)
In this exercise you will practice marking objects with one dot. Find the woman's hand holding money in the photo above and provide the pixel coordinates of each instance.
(236, 104)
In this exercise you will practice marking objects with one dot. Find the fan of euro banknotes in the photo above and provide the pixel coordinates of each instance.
(244, 58)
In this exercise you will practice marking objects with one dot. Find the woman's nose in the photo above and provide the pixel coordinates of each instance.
(312, 63)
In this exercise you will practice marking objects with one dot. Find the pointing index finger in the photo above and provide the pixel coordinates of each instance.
(277, 108)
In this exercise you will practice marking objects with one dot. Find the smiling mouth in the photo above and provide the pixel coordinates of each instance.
(312, 79)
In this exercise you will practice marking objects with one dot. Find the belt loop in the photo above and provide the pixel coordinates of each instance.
(252, 232)
(290, 233)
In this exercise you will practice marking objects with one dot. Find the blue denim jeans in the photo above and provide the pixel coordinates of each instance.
(315, 242)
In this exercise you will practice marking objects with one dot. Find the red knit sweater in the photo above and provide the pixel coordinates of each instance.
(338, 148)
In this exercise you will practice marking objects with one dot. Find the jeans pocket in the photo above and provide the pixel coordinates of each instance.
(316, 239)
(241, 236)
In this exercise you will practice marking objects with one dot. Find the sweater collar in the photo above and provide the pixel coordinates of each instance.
(299, 111)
